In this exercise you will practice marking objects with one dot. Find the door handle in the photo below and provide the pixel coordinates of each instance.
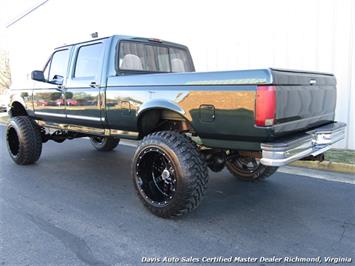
(60, 88)
(93, 84)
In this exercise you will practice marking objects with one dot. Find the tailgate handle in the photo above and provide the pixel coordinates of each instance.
(312, 82)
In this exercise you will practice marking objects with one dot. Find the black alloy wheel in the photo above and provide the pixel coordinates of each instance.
(156, 176)
(169, 173)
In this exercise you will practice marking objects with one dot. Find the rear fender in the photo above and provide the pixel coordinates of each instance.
(160, 104)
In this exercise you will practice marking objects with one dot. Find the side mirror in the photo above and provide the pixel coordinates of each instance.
(37, 75)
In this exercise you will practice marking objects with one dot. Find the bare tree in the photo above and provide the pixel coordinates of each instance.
(5, 72)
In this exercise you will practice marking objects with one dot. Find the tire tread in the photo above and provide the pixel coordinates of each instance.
(194, 166)
(30, 141)
(259, 174)
(109, 145)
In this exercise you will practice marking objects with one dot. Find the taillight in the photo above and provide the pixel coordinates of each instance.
(265, 106)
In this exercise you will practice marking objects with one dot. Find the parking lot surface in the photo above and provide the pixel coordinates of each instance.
(77, 206)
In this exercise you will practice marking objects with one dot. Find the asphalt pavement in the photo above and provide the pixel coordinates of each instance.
(77, 206)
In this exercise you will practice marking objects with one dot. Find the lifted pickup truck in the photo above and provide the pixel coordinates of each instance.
(250, 121)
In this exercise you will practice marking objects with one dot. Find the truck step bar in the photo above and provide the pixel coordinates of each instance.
(313, 143)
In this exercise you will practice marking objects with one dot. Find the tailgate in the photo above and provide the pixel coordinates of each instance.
(304, 99)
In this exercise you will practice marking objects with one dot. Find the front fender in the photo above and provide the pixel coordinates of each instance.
(23, 97)
(17, 98)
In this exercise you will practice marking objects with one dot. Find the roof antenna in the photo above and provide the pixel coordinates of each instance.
(94, 35)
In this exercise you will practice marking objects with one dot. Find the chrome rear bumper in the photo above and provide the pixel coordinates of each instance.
(313, 142)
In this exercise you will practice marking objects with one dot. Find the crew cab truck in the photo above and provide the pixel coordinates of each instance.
(121, 87)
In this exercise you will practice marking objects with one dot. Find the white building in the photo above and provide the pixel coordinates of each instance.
(222, 35)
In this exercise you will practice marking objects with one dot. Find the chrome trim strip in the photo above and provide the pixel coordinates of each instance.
(49, 114)
(83, 117)
(313, 142)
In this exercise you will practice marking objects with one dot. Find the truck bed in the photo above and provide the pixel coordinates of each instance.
(221, 105)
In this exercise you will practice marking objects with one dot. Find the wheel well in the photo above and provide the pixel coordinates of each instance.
(17, 109)
(162, 119)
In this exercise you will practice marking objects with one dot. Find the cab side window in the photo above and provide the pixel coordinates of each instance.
(58, 67)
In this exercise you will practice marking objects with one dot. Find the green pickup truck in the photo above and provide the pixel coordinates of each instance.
(123, 87)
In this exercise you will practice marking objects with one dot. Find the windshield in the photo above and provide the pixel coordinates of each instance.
(137, 56)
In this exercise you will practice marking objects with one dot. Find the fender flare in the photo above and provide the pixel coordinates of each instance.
(17, 98)
(160, 104)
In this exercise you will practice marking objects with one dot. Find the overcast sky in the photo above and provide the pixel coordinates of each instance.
(11, 9)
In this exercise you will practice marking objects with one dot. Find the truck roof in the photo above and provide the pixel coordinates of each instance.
(126, 37)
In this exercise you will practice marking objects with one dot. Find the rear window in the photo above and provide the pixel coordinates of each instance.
(137, 56)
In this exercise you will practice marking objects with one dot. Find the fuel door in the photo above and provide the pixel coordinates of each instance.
(207, 113)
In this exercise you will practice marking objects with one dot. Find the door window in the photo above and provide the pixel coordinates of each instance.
(58, 66)
(88, 61)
